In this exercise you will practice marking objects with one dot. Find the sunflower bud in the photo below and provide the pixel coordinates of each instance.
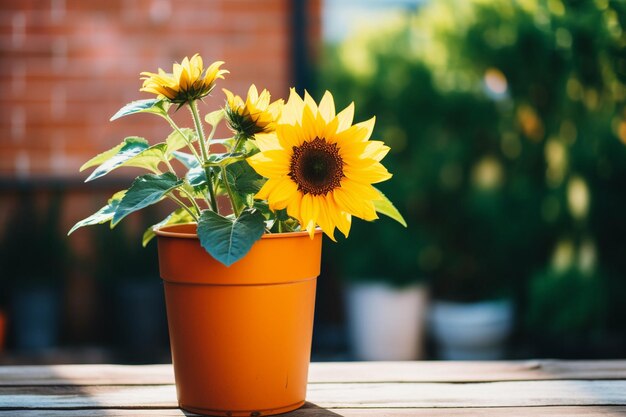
(255, 115)
(188, 81)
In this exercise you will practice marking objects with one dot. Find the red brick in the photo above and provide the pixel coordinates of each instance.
(88, 55)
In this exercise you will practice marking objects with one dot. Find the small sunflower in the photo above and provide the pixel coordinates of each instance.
(186, 82)
(319, 166)
(255, 115)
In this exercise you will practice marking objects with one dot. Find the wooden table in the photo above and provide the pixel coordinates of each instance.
(386, 389)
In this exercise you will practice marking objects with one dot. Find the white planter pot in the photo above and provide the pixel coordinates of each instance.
(471, 331)
(385, 323)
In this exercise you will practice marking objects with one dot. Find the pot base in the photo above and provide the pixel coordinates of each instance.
(242, 413)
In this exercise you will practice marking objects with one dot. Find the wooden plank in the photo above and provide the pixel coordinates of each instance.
(331, 372)
(489, 394)
(99, 413)
(87, 375)
(312, 411)
(352, 395)
(464, 371)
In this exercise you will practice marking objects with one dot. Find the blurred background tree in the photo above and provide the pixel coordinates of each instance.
(506, 124)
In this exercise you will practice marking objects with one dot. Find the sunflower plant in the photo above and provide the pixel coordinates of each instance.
(287, 167)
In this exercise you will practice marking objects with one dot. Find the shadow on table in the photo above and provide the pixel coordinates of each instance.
(307, 410)
(311, 410)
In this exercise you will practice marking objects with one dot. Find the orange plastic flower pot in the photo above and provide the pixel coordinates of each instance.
(240, 335)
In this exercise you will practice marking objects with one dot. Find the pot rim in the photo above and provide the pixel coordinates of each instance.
(169, 231)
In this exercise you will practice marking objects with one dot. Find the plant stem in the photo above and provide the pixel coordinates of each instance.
(169, 166)
(205, 153)
(238, 140)
(180, 132)
(183, 205)
(230, 193)
(192, 199)
(189, 145)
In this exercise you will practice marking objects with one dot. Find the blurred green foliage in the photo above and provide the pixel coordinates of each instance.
(579, 281)
(507, 127)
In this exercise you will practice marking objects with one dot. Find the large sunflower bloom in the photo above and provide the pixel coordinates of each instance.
(255, 115)
(186, 82)
(319, 166)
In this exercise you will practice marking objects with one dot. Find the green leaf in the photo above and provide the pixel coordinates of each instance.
(260, 205)
(215, 117)
(103, 215)
(197, 192)
(187, 159)
(227, 142)
(229, 240)
(154, 105)
(225, 159)
(131, 147)
(179, 216)
(149, 158)
(145, 191)
(103, 157)
(243, 178)
(176, 141)
(386, 207)
(196, 176)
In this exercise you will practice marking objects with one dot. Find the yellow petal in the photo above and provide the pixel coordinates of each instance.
(263, 100)
(327, 107)
(368, 125)
(309, 126)
(376, 150)
(349, 137)
(230, 98)
(182, 77)
(270, 164)
(266, 189)
(310, 227)
(214, 72)
(319, 126)
(294, 205)
(352, 202)
(289, 136)
(310, 103)
(195, 66)
(360, 191)
(344, 221)
(345, 118)
(292, 112)
(324, 220)
(308, 211)
(280, 196)
(275, 108)
(350, 147)
(267, 141)
(253, 94)
(340, 218)
(372, 174)
(329, 131)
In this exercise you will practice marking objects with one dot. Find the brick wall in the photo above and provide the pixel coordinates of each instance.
(67, 65)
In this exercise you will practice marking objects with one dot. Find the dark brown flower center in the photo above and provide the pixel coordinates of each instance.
(316, 167)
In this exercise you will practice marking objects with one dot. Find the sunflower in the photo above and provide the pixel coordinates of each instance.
(319, 166)
(255, 115)
(186, 82)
